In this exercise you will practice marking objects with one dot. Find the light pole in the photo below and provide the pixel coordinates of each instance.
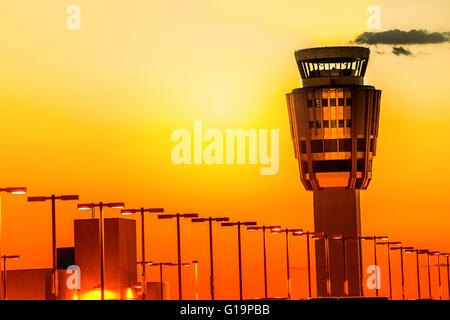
(447, 255)
(437, 253)
(389, 244)
(178, 216)
(424, 251)
(344, 258)
(324, 236)
(53, 199)
(375, 238)
(168, 264)
(100, 205)
(4, 257)
(417, 270)
(239, 224)
(12, 190)
(308, 255)
(401, 248)
(211, 260)
(142, 210)
(288, 273)
(263, 229)
(195, 263)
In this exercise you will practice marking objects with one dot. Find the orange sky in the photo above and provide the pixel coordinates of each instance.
(91, 111)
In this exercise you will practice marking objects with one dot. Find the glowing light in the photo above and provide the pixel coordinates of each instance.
(126, 212)
(96, 294)
(130, 294)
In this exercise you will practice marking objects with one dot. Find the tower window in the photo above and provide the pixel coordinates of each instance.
(326, 123)
(316, 146)
(330, 145)
(333, 123)
(349, 123)
(310, 103)
(331, 166)
(324, 102)
(360, 165)
(361, 145)
(317, 103)
(349, 102)
(345, 145)
(341, 123)
(333, 102)
(318, 124)
(341, 102)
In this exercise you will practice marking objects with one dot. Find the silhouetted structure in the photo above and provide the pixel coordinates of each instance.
(334, 126)
(120, 257)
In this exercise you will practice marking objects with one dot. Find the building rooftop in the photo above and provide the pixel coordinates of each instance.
(329, 66)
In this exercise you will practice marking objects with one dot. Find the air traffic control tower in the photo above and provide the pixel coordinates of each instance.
(334, 125)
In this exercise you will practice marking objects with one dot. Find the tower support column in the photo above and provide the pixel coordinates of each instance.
(337, 212)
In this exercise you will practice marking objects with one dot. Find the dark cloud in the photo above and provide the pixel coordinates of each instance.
(397, 37)
(401, 51)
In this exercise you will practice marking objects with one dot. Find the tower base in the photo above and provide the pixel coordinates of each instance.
(337, 212)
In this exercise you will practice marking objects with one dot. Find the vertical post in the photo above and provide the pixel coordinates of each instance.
(1, 243)
(144, 284)
(54, 262)
(211, 263)
(240, 260)
(448, 277)
(196, 279)
(287, 266)
(102, 274)
(4, 277)
(360, 267)
(403, 278)
(180, 294)
(344, 257)
(161, 287)
(439, 277)
(376, 265)
(418, 273)
(429, 276)
(265, 261)
(327, 257)
(309, 264)
(389, 266)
